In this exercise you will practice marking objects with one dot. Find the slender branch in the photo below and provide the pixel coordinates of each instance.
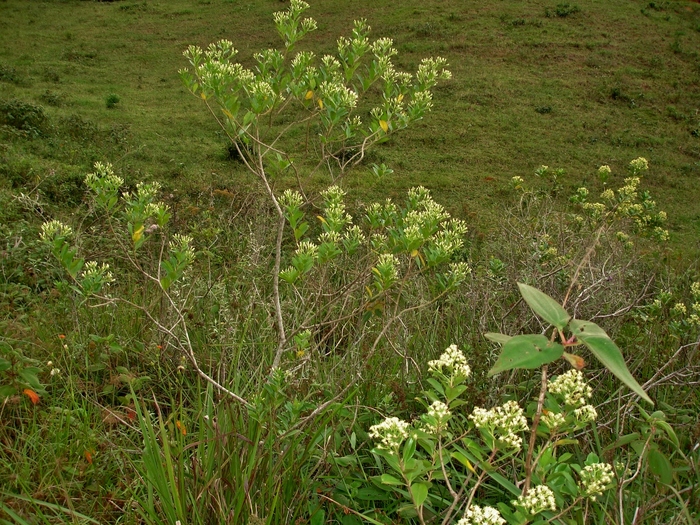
(533, 430)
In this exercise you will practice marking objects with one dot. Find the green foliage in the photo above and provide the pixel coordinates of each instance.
(532, 351)
(261, 454)
(181, 324)
(112, 100)
(24, 116)
(563, 10)
(18, 374)
(444, 461)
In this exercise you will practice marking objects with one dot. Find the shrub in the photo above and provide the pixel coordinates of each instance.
(24, 116)
(112, 100)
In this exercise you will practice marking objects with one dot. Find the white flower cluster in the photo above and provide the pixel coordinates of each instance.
(390, 433)
(595, 209)
(517, 182)
(291, 199)
(451, 238)
(459, 271)
(103, 177)
(476, 515)
(431, 70)
(571, 387)
(586, 414)
(537, 499)
(354, 234)
(695, 289)
(553, 420)
(453, 360)
(307, 248)
(504, 422)
(639, 164)
(595, 478)
(147, 190)
(53, 229)
(95, 272)
(387, 266)
(183, 245)
(608, 195)
(436, 418)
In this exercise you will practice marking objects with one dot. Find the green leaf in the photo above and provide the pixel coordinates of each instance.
(29, 375)
(7, 391)
(505, 483)
(409, 449)
(660, 465)
(4, 364)
(622, 441)
(419, 491)
(501, 339)
(388, 479)
(607, 352)
(669, 432)
(464, 460)
(453, 393)
(544, 306)
(526, 351)
(318, 518)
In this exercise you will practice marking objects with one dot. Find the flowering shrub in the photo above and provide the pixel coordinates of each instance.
(441, 461)
(445, 460)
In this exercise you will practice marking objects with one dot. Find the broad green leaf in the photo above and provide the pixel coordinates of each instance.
(388, 479)
(7, 391)
(526, 351)
(409, 449)
(4, 365)
(419, 491)
(453, 393)
(607, 352)
(660, 465)
(372, 494)
(501, 339)
(544, 306)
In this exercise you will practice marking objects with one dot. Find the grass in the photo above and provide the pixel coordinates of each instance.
(566, 85)
(616, 81)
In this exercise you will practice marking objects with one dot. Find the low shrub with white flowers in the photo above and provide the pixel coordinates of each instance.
(507, 463)
(451, 457)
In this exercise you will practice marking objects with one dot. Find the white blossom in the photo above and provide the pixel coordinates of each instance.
(453, 360)
(553, 420)
(595, 478)
(537, 499)
(476, 515)
(571, 387)
(586, 414)
(436, 418)
(504, 422)
(390, 433)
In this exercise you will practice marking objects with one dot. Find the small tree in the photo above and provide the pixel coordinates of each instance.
(342, 104)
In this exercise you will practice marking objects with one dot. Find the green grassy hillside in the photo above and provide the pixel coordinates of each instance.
(567, 85)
